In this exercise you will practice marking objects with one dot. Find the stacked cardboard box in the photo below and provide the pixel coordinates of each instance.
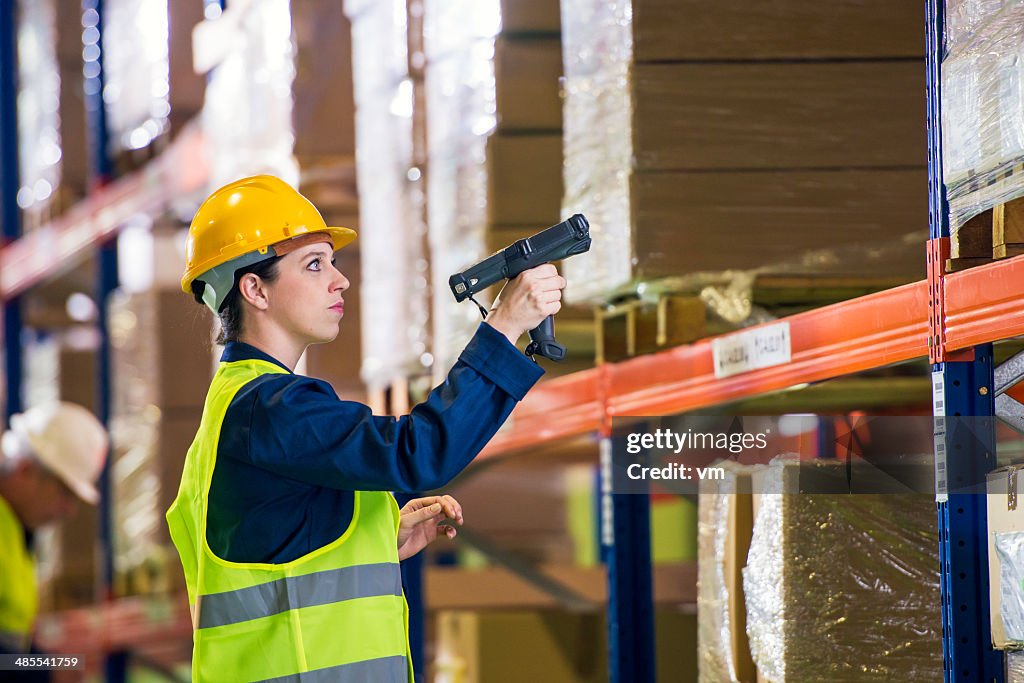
(186, 86)
(73, 144)
(524, 155)
(495, 150)
(325, 139)
(715, 136)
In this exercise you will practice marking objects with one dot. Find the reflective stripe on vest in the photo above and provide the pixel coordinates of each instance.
(383, 670)
(334, 614)
(294, 592)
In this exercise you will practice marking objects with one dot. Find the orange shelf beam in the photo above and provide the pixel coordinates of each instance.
(58, 246)
(852, 336)
(864, 333)
(982, 305)
(985, 304)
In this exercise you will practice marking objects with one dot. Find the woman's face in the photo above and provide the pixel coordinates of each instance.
(305, 298)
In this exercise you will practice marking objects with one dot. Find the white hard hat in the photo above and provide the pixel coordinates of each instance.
(66, 439)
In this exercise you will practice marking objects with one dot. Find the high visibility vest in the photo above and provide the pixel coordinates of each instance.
(19, 597)
(336, 614)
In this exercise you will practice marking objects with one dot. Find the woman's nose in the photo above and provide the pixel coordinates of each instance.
(340, 281)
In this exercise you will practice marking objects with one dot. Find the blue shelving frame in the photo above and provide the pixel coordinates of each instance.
(966, 451)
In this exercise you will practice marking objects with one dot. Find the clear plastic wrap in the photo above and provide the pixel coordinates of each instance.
(839, 586)
(136, 71)
(1010, 548)
(247, 115)
(394, 285)
(39, 144)
(597, 45)
(134, 433)
(459, 80)
(722, 658)
(162, 366)
(982, 105)
(1015, 667)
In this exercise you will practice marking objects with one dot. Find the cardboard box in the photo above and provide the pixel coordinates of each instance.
(524, 179)
(1005, 516)
(774, 115)
(187, 88)
(706, 221)
(75, 158)
(554, 647)
(666, 30)
(492, 647)
(526, 75)
(324, 110)
(530, 16)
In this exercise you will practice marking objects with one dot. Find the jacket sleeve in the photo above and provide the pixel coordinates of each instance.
(300, 428)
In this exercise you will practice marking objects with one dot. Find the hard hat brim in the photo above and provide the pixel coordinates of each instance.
(341, 237)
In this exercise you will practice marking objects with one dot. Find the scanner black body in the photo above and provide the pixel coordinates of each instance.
(568, 238)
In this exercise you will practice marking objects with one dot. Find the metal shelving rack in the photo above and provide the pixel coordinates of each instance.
(951, 319)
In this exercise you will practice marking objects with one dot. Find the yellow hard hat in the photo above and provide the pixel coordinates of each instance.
(66, 439)
(246, 218)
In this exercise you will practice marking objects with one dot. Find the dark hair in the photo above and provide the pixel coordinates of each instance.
(231, 309)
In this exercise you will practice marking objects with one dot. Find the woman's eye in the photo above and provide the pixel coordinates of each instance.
(314, 264)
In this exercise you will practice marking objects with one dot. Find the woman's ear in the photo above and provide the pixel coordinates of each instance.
(252, 289)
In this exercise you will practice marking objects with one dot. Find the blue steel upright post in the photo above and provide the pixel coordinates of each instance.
(94, 81)
(10, 216)
(626, 551)
(964, 452)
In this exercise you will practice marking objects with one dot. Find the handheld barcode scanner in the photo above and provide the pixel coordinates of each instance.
(561, 241)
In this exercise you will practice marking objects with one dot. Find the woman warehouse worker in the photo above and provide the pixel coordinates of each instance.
(288, 534)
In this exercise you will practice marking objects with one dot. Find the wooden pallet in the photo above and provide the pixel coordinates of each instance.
(1008, 229)
(639, 327)
(636, 326)
(991, 235)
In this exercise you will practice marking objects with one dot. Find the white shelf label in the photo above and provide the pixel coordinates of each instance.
(762, 347)
(939, 411)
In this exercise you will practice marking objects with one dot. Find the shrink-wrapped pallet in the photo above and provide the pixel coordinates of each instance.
(39, 142)
(841, 586)
(754, 140)
(982, 106)
(393, 292)
(723, 537)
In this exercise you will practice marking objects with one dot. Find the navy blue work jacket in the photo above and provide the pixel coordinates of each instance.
(291, 452)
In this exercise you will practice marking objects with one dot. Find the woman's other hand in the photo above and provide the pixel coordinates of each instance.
(421, 523)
